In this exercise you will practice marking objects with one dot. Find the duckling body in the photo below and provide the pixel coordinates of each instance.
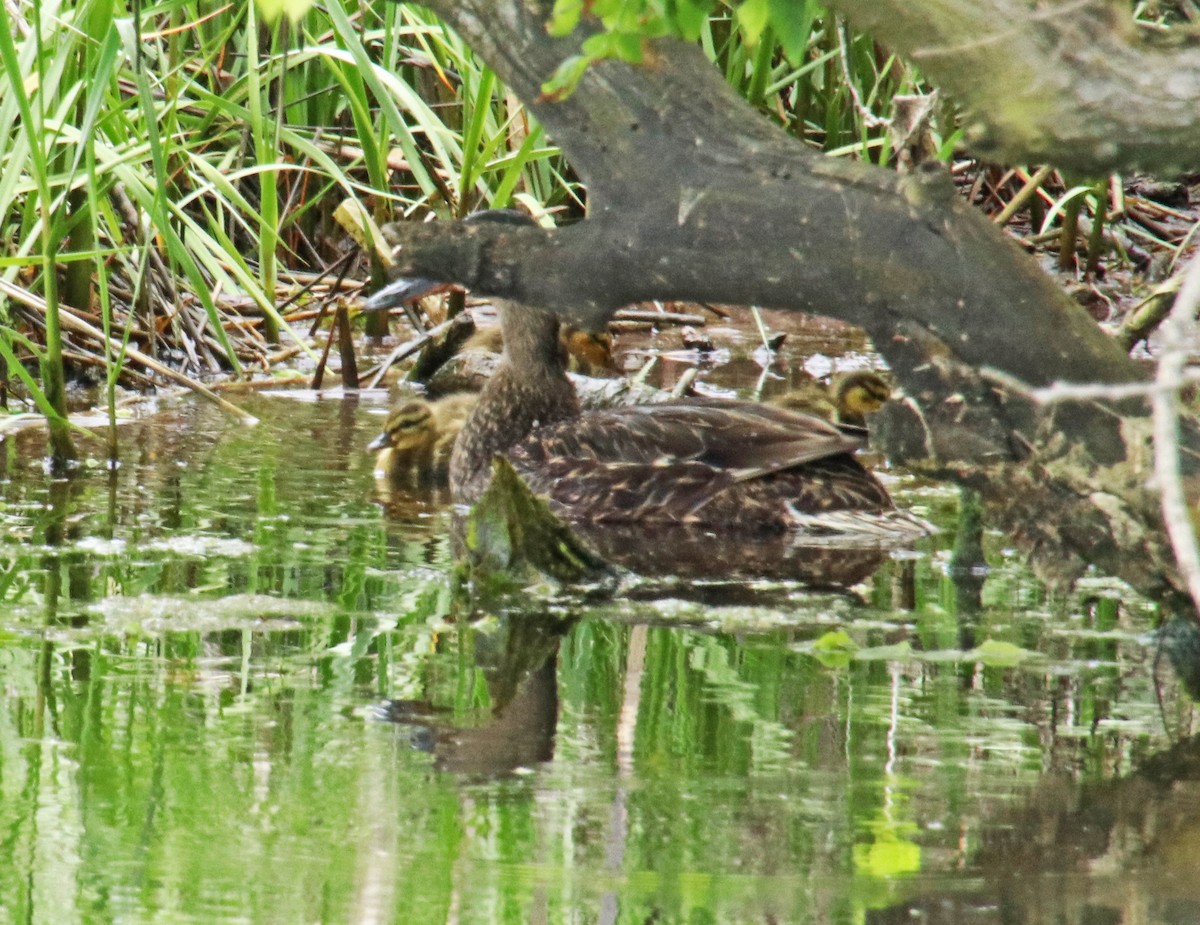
(848, 399)
(418, 437)
(589, 353)
(725, 465)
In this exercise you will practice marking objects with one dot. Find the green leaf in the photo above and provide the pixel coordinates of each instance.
(792, 24)
(271, 10)
(564, 17)
(887, 857)
(566, 77)
(688, 17)
(901, 650)
(624, 46)
(610, 11)
(752, 17)
(835, 641)
(834, 649)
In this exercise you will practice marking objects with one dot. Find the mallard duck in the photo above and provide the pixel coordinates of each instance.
(729, 465)
(418, 437)
(848, 399)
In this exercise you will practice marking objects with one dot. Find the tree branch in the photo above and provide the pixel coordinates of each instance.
(1072, 83)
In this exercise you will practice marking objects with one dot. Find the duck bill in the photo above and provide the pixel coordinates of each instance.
(399, 292)
(379, 443)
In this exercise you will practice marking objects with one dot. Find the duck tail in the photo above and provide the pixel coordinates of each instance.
(858, 527)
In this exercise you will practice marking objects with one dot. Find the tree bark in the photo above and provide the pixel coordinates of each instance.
(1075, 83)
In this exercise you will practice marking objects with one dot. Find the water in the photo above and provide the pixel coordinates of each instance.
(239, 688)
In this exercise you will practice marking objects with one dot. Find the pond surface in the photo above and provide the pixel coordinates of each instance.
(239, 688)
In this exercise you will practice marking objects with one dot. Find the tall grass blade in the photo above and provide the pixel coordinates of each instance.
(53, 401)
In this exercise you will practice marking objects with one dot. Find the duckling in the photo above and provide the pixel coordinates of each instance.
(418, 437)
(589, 353)
(848, 399)
(726, 465)
(858, 394)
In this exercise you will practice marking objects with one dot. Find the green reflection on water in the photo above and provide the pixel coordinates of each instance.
(199, 651)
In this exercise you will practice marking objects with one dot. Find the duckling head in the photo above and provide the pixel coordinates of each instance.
(858, 394)
(588, 352)
(408, 427)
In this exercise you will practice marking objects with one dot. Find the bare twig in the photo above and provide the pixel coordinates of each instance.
(1148, 314)
(869, 118)
(1176, 333)
(407, 349)
(316, 279)
(1083, 391)
(80, 326)
(1032, 185)
(686, 378)
(658, 317)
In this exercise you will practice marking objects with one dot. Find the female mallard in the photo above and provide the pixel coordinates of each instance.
(722, 464)
(418, 437)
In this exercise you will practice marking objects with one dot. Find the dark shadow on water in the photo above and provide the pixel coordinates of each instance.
(1179, 641)
(1117, 851)
(674, 551)
(523, 687)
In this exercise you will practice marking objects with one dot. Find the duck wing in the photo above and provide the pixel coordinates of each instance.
(733, 464)
(692, 492)
(743, 440)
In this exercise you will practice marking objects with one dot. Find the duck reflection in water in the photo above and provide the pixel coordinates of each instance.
(523, 688)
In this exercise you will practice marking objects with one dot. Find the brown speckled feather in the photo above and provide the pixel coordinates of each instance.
(743, 439)
(729, 464)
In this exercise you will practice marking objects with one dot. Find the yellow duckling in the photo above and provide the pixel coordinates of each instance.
(418, 438)
(848, 399)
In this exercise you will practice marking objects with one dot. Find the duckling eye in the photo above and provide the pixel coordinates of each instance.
(409, 423)
(407, 417)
